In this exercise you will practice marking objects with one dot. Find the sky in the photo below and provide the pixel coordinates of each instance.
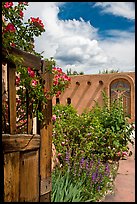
(87, 36)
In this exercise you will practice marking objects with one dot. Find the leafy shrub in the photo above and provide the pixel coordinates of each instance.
(85, 143)
(110, 129)
(103, 131)
(66, 132)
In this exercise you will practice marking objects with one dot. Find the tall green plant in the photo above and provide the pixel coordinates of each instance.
(64, 189)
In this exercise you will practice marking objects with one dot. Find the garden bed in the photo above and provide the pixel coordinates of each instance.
(88, 147)
(114, 169)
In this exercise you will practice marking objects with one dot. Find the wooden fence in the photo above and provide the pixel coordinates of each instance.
(27, 157)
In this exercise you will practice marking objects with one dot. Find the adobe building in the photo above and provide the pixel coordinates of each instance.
(84, 90)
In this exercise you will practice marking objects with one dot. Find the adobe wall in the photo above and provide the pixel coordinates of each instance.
(89, 90)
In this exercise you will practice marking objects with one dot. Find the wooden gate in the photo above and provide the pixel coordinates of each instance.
(27, 157)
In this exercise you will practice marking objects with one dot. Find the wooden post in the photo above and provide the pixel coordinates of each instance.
(46, 142)
(29, 115)
(12, 97)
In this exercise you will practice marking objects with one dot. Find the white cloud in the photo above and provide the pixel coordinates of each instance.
(120, 50)
(124, 9)
(75, 44)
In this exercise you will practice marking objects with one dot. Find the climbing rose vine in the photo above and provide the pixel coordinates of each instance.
(19, 34)
(16, 32)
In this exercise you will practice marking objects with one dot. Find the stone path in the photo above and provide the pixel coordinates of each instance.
(125, 180)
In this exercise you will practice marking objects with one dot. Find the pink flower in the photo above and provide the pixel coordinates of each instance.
(118, 154)
(37, 22)
(54, 118)
(18, 100)
(124, 153)
(54, 69)
(29, 69)
(133, 126)
(31, 72)
(34, 83)
(59, 154)
(62, 143)
(55, 82)
(17, 80)
(58, 93)
(25, 3)
(59, 70)
(21, 14)
(10, 27)
(8, 4)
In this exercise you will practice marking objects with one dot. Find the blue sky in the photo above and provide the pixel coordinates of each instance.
(87, 36)
(89, 12)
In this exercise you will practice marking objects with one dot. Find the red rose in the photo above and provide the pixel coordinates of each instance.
(12, 44)
(21, 14)
(31, 72)
(34, 83)
(17, 80)
(10, 27)
(37, 22)
(8, 4)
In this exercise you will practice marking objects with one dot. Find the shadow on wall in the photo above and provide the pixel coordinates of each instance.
(82, 96)
(72, 94)
(95, 95)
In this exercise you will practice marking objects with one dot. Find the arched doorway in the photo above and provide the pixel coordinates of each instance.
(122, 88)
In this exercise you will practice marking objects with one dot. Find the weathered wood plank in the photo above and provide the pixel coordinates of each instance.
(29, 124)
(20, 142)
(46, 197)
(11, 177)
(46, 142)
(29, 115)
(29, 60)
(12, 98)
(29, 176)
(46, 186)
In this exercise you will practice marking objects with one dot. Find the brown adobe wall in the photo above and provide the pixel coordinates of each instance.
(84, 95)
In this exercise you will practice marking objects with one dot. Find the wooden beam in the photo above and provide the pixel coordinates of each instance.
(20, 142)
(29, 60)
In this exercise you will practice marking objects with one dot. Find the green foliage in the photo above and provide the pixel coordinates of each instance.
(66, 129)
(85, 180)
(30, 83)
(64, 189)
(103, 131)
(21, 33)
(85, 143)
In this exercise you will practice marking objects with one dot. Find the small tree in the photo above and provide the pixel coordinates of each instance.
(69, 72)
(108, 71)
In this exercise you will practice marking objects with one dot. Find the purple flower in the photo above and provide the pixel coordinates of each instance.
(87, 166)
(98, 161)
(107, 170)
(67, 158)
(81, 163)
(93, 177)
